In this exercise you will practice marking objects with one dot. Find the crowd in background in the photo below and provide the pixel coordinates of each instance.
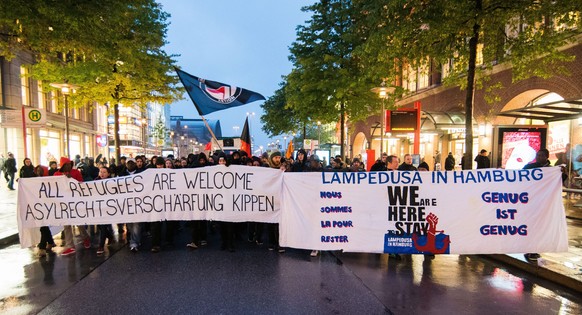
(89, 169)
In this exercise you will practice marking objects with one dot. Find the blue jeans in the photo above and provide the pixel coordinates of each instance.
(134, 230)
(10, 180)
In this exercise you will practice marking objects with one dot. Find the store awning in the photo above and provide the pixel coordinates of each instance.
(554, 111)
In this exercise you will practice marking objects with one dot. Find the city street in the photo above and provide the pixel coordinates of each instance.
(253, 280)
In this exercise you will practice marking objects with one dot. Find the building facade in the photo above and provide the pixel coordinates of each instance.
(443, 117)
(90, 127)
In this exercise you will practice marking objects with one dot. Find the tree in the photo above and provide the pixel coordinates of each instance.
(111, 50)
(421, 33)
(278, 118)
(327, 81)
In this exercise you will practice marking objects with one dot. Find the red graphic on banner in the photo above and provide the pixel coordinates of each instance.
(430, 244)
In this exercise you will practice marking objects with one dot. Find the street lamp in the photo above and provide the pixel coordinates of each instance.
(383, 92)
(144, 122)
(318, 133)
(66, 89)
(180, 146)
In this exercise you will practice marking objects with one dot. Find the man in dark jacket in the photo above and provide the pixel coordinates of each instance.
(542, 157)
(450, 162)
(407, 164)
(483, 160)
(10, 167)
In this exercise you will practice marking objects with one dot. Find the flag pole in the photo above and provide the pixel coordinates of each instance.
(211, 132)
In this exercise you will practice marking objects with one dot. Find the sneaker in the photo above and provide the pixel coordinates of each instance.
(155, 249)
(281, 250)
(271, 247)
(314, 253)
(191, 245)
(203, 243)
(133, 249)
(532, 256)
(68, 251)
(49, 247)
(87, 243)
(100, 251)
(41, 253)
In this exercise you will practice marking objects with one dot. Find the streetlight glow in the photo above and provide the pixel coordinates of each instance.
(382, 92)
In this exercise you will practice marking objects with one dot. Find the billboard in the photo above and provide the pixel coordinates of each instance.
(518, 145)
(401, 120)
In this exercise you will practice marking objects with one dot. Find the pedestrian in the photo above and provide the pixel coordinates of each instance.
(68, 230)
(105, 230)
(393, 163)
(407, 164)
(273, 228)
(356, 166)
(53, 168)
(2, 168)
(463, 159)
(47, 242)
(437, 159)
(199, 227)
(450, 162)
(541, 160)
(301, 164)
(10, 169)
(156, 227)
(27, 169)
(482, 159)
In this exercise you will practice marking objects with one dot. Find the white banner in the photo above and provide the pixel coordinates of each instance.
(457, 212)
(235, 193)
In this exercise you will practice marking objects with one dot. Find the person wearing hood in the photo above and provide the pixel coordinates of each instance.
(68, 231)
(301, 163)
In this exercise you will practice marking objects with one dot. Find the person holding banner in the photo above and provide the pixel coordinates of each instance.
(134, 229)
(274, 162)
(541, 160)
(68, 231)
(156, 227)
(199, 227)
(105, 231)
(227, 229)
(47, 242)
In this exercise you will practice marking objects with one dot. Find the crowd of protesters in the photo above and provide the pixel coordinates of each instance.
(89, 169)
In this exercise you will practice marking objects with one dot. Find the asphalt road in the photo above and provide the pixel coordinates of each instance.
(253, 280)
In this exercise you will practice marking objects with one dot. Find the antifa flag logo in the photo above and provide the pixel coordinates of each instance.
(211, 96)
(223, 94)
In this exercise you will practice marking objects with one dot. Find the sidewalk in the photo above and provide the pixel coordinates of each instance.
(561, 268)
(8, 224)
